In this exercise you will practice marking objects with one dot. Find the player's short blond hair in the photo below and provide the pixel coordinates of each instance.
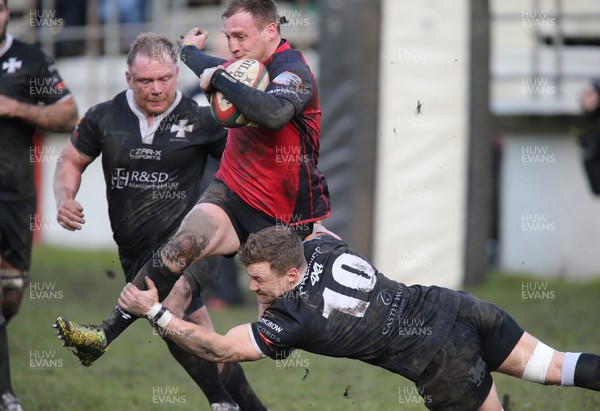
(151, 45)
(277, 245)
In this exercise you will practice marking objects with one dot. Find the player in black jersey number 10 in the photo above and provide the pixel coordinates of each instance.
(324, 298)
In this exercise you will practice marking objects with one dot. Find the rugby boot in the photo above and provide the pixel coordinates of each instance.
(9, 402)
(88, 341)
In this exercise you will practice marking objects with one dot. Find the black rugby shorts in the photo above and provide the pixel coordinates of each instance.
(245, 218)
(458, 377)
(17, 221)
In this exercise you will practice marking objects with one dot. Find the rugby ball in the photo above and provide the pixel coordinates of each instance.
(250, 72)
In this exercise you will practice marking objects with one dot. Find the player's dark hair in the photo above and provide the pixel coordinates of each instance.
(153, 46)
(263, 11)
(277, 245)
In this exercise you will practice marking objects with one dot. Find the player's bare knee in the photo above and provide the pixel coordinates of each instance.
(173, 259)
(183, 250)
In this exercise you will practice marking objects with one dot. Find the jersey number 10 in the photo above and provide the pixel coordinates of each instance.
(353, 272)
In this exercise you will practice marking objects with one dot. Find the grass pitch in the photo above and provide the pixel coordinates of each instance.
(137, 373)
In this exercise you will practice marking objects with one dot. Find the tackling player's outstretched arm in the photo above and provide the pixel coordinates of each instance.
(232, 347)
(59, 116)
(67, 179)
(236, 345)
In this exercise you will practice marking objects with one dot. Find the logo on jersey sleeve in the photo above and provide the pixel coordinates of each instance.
(12, 65)
(288, 78)
(289, 83)
(269, 330)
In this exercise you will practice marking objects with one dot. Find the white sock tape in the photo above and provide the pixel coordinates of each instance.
(13, 278)
(537, 366)
(567, 376)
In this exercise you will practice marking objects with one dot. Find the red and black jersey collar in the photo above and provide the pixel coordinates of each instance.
(283, 46)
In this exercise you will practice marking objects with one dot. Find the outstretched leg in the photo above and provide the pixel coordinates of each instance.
(534, 361)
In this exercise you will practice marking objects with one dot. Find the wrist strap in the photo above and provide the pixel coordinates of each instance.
(165, 319)
(153, 311)
(159, 315)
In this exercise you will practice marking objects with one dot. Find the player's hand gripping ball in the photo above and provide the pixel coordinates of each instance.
(250, 72)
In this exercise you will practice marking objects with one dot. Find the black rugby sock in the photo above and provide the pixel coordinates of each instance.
(239, 388)
(4, 364)
(119, 319)
(587, 372)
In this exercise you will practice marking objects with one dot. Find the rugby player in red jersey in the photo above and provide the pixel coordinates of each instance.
(154, 142)
(268, 173)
